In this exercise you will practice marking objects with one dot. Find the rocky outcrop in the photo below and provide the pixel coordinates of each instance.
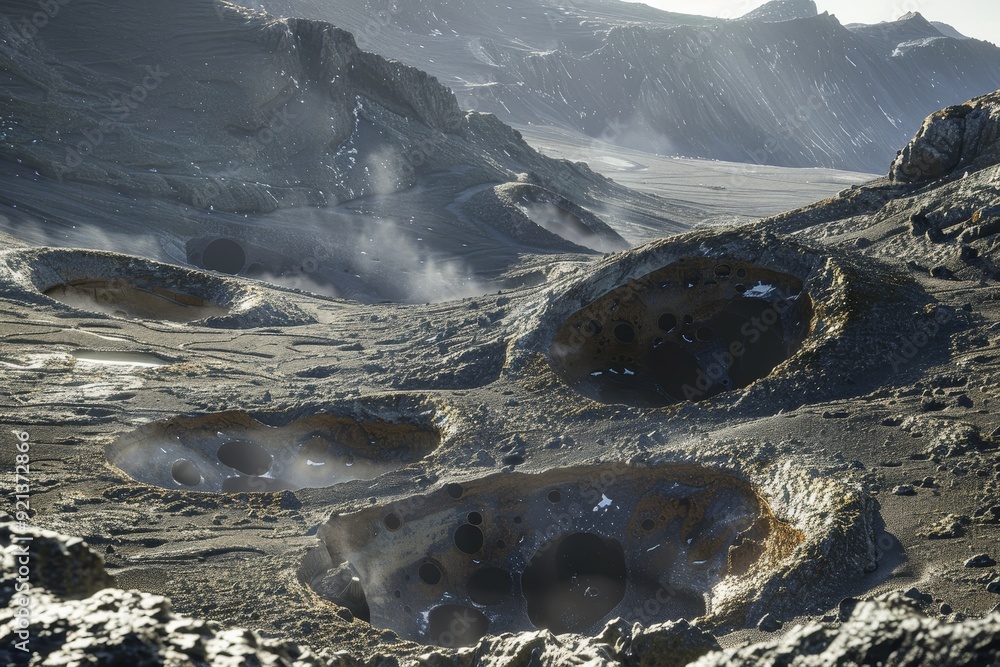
(783, 85)
(116, 627)
(941, 190)
(887, 632)
(672, 644)
(77, 618)
(952, 141)
(64, 566)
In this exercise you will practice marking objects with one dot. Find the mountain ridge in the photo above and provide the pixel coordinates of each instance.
(685, 85)
(782, 10)
(204, 120)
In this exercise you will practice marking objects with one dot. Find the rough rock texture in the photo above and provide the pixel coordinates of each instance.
(115, 627)
(618, 645)
(96, 624)
(64, 566)
(890, 633)
(957, 139)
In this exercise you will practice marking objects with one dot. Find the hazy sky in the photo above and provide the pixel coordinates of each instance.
(975, 18)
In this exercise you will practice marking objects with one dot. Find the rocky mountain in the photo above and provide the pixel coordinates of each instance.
(777, 11)
(202, 133)
(941, 188)
(783, 85)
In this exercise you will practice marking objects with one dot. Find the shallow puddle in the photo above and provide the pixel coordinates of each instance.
(139, 359)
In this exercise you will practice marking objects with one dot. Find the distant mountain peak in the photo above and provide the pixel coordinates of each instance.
(783, 10)
(914, 17)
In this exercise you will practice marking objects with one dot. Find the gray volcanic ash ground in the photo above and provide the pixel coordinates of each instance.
(306, 363)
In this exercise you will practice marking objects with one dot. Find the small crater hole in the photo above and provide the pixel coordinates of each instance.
(430, 574)
(469, 539)
(224, 256)
(667, 322)
(571, 585)
(454, 625)
(247, 457)
(624, 333)
(490, 586)
(186, 473)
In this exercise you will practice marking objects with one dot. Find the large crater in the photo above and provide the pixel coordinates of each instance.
(564, 550)
(138, 298)
(236, 452)
(90, 281)
(688, 331)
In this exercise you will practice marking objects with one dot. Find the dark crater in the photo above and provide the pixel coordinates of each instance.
(563, 550)
(137, 298)
(134, 288)
(686, 332)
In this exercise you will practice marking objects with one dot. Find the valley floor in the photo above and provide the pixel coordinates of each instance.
(723, 192)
